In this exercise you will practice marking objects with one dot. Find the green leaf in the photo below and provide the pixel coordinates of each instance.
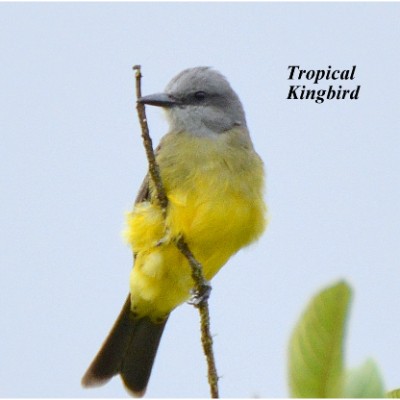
(394, 394)
(316, 345)
(364, 382)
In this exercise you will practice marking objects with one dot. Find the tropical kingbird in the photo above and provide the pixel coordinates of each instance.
(214, 182)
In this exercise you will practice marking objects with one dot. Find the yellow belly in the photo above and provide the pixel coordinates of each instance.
(215, 192)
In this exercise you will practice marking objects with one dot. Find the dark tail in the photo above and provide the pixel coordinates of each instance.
(129, 350)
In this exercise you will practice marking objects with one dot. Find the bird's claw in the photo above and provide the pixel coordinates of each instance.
(200, 296)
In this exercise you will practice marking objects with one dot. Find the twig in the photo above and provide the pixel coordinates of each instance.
(154, 169)
(201, 286)
(202, 289)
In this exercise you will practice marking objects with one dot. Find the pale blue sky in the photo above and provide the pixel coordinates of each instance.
(71, 162)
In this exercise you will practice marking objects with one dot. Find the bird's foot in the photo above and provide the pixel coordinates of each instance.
(199, 296)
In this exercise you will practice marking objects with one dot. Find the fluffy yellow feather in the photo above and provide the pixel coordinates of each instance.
(215, 191)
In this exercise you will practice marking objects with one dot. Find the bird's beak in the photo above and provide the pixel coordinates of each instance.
(159, 99)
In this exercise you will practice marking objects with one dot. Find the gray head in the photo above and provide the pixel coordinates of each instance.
(201, 101)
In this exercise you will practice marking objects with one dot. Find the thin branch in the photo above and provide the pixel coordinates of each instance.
(201, 287)
(154, 169)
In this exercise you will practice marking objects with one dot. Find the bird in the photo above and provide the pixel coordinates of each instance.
(214, 181)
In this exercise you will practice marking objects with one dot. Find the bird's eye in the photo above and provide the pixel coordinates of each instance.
(200, 95)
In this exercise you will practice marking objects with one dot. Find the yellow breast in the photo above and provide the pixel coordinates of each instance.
(215, 192)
